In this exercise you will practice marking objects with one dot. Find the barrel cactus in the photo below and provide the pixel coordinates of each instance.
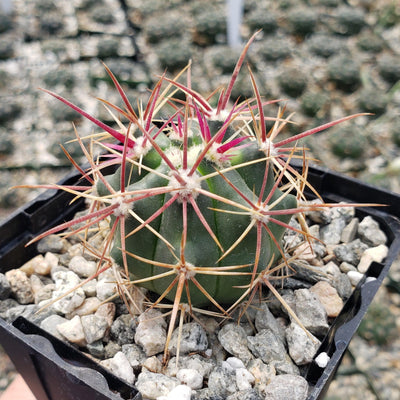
(198, 202)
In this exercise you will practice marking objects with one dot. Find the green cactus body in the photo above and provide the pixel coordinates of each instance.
(227, 221)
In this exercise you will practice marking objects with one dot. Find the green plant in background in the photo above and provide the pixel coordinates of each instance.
(209, 24)
(174, 54)
(395, 132)
(302, 21)
(348, 142)
(389, 68)
(348, 20)
(344, 71)
(198, 201)
(379, 325)
(373, 100)
(292, 81)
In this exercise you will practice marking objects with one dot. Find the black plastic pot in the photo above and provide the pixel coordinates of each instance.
(55, 370)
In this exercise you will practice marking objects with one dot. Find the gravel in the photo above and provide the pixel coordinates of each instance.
(218, 360)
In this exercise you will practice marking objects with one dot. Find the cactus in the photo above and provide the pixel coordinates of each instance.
(349, 143)
(208, 25)
(174, 53)
(198, 201)
(344, 71)
(389, 68)
(292, 81)
(324, 45)
(349, 21)
(302, 21)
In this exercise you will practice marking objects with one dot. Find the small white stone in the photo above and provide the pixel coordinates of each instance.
(190, 377)
(120, 366)
(208, 353)
(377, 254)
(51, 259)
(42, 266)
(90, 288)
(65, 283)
(20, 285)
(355, 277)
(82, 267)
(89, 306)
(151, 333)
(29, 266)
(322, 360)
(153, 386)
(235, 362)
(180, 392)
(244, 379)
(153, 364)
(106, 288)
(72, 330)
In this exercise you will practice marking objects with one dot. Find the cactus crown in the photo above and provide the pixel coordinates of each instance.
(198, 202)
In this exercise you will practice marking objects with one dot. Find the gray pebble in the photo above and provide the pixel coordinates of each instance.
(52, 244)
(120, 367)
(350, 231)
(370, 232)
(5, 305)
(111, 349)
(222, 380)
(134, 354)
(267, 346)
(322, 216)
(203, 365)
(5, 288)
(24, 310)
(106, 287)
(90, 288)
(206, 394)
(72, 330)
(192, 338)
(233, 338)
(285, 387)
(82, 267)
(68, 298)
(311, 312)
(151, 332)
(96, 349)
(350, 252)
(50, 324)
(244, 379)
(302, 347)
(107, 310)
(265, 319)
(94, 327)
(248, 394)
(152, 385)
(262, 372)
(330, 234)
(44, 293)
(345, 267)
(343, 286)
(347, 213)
(190, 377)
(123, 329)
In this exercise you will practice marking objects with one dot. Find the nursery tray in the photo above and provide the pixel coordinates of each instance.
(55, 370)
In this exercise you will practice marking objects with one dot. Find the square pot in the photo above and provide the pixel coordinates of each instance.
(55, 370)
